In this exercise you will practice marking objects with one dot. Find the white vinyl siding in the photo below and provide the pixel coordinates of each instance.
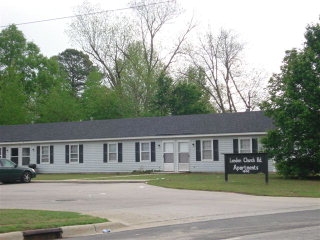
(93, 155)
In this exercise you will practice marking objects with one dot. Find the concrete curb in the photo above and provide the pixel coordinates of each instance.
(11, 236)
(72, 231)
(91, 229)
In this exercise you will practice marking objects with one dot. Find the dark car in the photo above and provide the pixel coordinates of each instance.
(10, 172)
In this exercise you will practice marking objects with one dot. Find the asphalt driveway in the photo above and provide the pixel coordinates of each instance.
(138, 205)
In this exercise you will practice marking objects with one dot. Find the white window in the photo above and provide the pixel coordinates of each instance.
(74, 153)
(113, 152)
(245, 145)
(45, 154)
(206, 150)
(145, 151)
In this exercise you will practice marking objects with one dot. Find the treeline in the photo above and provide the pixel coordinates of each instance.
(128, 67)
(68, 87)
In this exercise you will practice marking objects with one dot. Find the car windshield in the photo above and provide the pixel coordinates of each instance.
(6, 163)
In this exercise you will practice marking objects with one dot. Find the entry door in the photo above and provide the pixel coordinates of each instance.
(15, 155)
(26, 156)
(168, 156)
(183, 156)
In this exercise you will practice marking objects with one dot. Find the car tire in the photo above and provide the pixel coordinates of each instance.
(26, 177)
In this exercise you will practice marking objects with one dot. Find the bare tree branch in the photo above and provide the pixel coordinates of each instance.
(228, 83)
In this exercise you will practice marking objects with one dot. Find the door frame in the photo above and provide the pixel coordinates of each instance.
(183, 166)
(168, 167)
(176, 166)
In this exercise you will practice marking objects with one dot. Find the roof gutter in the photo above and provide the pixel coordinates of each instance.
(135, 138)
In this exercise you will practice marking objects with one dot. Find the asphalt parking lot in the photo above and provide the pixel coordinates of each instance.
(138, 205)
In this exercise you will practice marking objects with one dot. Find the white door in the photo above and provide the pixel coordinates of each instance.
(183, 157)
(168, 156)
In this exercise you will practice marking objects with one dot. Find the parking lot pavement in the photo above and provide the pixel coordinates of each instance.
(137, 205)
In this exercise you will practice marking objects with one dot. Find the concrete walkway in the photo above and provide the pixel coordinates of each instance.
(139, 205)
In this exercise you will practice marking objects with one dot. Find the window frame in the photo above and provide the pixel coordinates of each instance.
(148, 151)
(41, 154)
(111, 152)
(202, 150)
(241, 150)
(70, 154)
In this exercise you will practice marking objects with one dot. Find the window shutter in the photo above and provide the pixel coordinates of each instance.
(80, 153)
(67, 153)
(235, 146)
(198, 151)
(119, 152)
(153, 151)
(105, 153)
(254, 145)
(137, 152)
(4, 152)
(51, 154)
(38, 154)
(215, 150)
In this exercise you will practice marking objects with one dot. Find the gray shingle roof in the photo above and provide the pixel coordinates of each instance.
(227, 123)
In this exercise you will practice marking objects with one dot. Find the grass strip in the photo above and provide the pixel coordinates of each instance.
(248, 184)
(12, 220)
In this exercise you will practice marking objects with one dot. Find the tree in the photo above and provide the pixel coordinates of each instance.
(20, 65)
(294, 105)
(32, 88)
(18, 58)
(138, 83)
(188, 98)
(13, 101)
(101, 102)
(153, 16)
(106, 37)
(77, 67)
(59, 105)
(226, 80)
(161, 102)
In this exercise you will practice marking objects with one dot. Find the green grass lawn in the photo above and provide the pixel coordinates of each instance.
(247, 184)
(12, 220)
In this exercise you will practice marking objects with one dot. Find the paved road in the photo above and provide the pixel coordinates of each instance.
(280, 226)
(138, 205)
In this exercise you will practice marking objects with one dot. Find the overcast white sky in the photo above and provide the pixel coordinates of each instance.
(268, 27)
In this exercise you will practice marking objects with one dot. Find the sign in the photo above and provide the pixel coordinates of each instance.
(246, 163)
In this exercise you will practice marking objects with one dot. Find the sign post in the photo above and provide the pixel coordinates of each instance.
(246, 163)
